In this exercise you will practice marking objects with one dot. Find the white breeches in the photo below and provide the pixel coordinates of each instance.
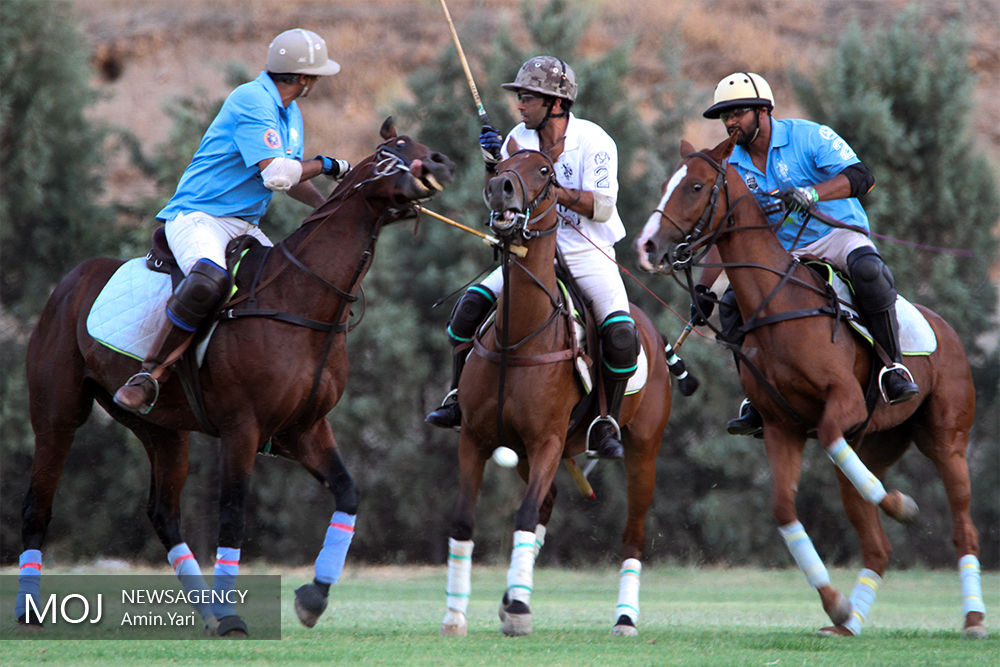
(597, 275)
(192, 236)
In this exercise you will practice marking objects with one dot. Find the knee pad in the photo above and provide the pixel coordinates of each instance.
(730, 318)
(198, 295)
(469, 313)
(873, 284)
(619, 346)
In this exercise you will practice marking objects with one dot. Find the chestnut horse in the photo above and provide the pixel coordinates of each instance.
(809, 377)
(525, 359)
(264, 380)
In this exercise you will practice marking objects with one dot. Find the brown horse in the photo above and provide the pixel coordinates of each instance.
(807, 375)
(539, 390)
(264, 380)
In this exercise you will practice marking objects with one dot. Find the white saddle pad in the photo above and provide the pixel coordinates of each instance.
(130, 311)
(916, 337)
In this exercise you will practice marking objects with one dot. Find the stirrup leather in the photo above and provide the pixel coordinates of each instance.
(588, 452)
(889, 369)
(156, 387)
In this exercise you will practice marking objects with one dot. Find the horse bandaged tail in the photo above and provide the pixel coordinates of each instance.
(628, 590)
(916, 337)
(520, 576)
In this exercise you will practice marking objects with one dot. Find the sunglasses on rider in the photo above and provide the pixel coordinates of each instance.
(524, 98)
(733, 113)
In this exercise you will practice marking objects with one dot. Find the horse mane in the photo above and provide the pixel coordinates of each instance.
(345, 188)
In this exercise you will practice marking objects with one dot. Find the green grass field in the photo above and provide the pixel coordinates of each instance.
(689, 616)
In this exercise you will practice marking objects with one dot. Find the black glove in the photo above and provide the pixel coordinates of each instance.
(333, 167)
(490, 143)
(704, 304)
(799, 199)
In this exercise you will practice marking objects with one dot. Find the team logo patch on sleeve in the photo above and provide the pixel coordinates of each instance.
(272, 139)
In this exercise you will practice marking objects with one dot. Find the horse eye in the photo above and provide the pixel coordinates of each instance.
(400, 142)
(697, 187)
(544, 171)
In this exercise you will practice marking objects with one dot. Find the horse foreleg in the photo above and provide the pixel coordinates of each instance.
(317, 451)
(236, 459)
(784, 455)
(460, 544)
(515, 610)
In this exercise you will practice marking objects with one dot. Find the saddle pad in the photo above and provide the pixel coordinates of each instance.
(130, 311)
(638, 379)
(916, 337)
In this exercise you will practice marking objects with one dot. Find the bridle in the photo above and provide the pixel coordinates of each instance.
(505, 227)
(684, 253)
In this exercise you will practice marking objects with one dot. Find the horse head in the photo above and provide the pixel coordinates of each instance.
(522, 193)
(688, 214)
(400, 171)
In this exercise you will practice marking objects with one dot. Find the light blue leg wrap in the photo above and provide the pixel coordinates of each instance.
(227, 566)
(330, 562)
(29, 581)
(845, 458)
(972, 587)
(862, 598)
(804, 553)
(189, 572)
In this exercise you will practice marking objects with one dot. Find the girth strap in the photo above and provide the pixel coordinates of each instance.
(520, 360)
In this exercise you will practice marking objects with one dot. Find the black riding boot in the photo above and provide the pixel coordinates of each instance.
(605, 436)
(748, 423)
(449, 414)
(469, 313)
(895, 381)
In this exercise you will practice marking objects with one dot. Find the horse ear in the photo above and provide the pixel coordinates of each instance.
(388, 129)
(686, 148)
(727, 146)
(512, 146)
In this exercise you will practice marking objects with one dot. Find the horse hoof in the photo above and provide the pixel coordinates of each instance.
(28, 628)
(975, 632)
(211, 627)
(232, 627)
(310, 603)
(453, 625)
(900, 506)
(515, 618)
(624, 627)
(834, 631)
(838, 609)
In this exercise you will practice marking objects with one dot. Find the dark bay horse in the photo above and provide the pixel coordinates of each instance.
(539, 391)
(264, 380)
(810, 378)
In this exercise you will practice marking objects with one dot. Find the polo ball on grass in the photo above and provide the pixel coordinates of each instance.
(505, 457)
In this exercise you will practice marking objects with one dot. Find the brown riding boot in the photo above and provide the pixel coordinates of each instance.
(139, 393)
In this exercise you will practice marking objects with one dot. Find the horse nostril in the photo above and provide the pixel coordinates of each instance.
(508, 187)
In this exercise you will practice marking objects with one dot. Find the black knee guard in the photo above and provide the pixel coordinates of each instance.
(198, 295)
(874, 288)
(730, 319)
(619, 346)
(469, 313)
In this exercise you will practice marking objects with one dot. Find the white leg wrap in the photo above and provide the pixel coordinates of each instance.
(459, 574)
(540, 531)
(522, 563)
(867, 484)
(628, 590)
(862, 598)
(804, 553)
(972, 588)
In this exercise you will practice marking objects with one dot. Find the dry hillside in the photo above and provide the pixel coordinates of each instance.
(146, 54)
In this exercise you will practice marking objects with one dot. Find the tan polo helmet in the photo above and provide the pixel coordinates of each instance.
(299, 51)
(547, 75)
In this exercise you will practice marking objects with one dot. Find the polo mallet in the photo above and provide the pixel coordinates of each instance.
(580, 479)
(518, 250)
(480, 109)
(686, 382)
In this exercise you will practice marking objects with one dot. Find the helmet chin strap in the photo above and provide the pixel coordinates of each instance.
(549, 114)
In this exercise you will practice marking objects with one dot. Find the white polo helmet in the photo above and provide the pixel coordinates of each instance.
(740, 89)
(299, 51)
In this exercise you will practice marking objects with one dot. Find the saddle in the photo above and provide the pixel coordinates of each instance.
(243, 252)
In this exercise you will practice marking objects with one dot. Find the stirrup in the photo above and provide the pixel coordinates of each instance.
(588, 452)
(450, 397)
(156, 389)
(889, 369)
